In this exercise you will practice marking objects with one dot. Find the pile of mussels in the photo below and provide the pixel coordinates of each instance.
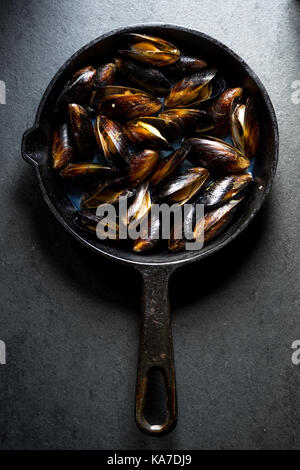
(130, 126)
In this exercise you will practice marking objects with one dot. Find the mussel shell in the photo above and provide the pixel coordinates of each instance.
(141, 164)
(186, 65)
(223, 189)
(176, 244)
(85, 170)
(129, 106)
(105, 75)
(184, 187)
(150, 234)
(150, 49)
(216, 220)
(140, 205)
(191, 90)
(181, 120)
(220, 111)
(147, 132)
(245, 128)
(166, 168)
(107, 192)
(216, 155)
(78, 88)
(148, 78)
(112, 140)
(62, 147)
(82, 129)
(88, 221)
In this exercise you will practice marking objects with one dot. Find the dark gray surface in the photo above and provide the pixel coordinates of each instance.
(70, 320)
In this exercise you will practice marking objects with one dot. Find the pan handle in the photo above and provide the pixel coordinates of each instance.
(156, 348)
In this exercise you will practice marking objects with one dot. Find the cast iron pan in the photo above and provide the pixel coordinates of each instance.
(156, 349)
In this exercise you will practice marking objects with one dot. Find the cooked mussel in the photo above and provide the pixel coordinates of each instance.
(105, 75)
(79, 88)
(112, 140)
(88, 221)
(141, 164)
(184, 187)
(129, 106)
(147, 132)
(166, 168)
(220, 111)
(223, 189)
(148, 78)
(215, 221)
(180, 228)
(150, 49)
(216, 155)
(245, 128)
(107, 192)
(181, 119)
(62, 147)
(82, 129)
(195, 89)
(186, 65)
(140, 205)
(149, 233)
(85, 170)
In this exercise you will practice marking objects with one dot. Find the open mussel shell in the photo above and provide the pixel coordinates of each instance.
(85, 170)
(195, 89)
(166, 168)
(216, 155)
(107, 192)
(180, 228)
(245, 128)
(216, 221)
(149, 132)
(82, 129)
(88, 221)
(149, 233)
(225, 188)
(150, 49)
(183, 188)
(140, 205)
(112, 141)
(62, 147)
(186, 65)
(141, 164)
(186, 120)
(129, 106)
(220, 111)
(150, 79)
(79, 88)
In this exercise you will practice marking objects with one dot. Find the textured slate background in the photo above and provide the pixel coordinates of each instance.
(71, 321)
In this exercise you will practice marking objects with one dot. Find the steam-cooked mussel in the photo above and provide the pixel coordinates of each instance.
(127, 103)
(112, 140)
(216, 155)
(184, 187)
(85, 170)
(181, 227)
(186, 65)
(149, 233)
(166, 168)
(148, 78)
(107, 192)
(90, 222)
(220, 111)
(195, 89)
(147, 132)
(105, 75)
(223, 189)
(141, 164)
(140, 205)
(62, 147)
(181, 120)
(79, 88)
(150, 49)
(245, 128)
(82, 129)
(215, 221)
